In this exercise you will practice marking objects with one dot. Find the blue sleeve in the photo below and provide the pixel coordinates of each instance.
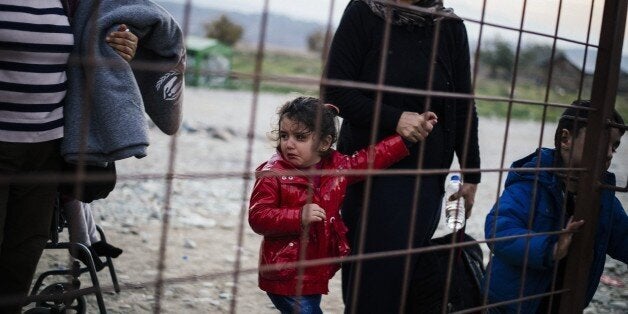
(618, 244)
(509, 217)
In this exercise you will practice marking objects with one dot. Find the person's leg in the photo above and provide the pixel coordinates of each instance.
(77, 222)
(101, 248)
(79, 229)
(282, 303)
(307, 304)
(28, 216)
(4, 196)
(92, 233)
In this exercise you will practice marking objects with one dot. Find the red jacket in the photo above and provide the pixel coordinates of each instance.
(275, 213)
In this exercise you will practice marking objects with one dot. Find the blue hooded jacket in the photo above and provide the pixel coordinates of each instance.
(511, 218)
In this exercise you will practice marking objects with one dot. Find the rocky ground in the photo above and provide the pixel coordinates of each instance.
(207, 229)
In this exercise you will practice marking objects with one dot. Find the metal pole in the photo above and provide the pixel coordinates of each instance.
(603, 95)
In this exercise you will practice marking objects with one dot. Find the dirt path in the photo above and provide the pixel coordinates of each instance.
(206, 212)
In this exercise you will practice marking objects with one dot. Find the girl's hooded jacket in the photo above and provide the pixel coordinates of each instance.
(275, 213)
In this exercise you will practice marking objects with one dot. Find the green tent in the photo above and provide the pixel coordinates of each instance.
(208, 62)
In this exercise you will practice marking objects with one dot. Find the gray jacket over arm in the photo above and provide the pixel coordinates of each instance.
(114, 95)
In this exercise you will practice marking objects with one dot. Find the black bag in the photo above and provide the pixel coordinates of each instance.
(427, 284)
(101, 181)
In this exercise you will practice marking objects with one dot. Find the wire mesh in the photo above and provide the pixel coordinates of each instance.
(231, 174)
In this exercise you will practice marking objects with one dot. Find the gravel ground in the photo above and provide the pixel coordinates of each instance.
(208, 209)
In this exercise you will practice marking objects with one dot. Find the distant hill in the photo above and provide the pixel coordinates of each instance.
(282, 31)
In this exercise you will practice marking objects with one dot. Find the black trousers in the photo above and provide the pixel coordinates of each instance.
(25, 215)
(377, 287)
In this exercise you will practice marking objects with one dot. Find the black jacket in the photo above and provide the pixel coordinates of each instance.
(355, 56)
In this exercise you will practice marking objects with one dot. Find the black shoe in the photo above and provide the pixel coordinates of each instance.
(105, 249)
(84, 257)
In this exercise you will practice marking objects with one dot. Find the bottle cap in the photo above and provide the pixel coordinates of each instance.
(455, 178)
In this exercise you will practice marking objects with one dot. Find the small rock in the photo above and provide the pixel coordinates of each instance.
(145, 306)
(589, 310)
(231, 131)
(155, 215)
(621, 305)
(222, 135)
(602, 298)
(208, 284)
(227, 226)
(225, 295)
(188, 127)
(189, 244)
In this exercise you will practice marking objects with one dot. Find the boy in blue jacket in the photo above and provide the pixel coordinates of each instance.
(555, 202)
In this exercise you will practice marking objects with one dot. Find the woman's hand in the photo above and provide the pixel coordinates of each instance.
(564, 240)
(311, 213)
(416, 127)
(124, 42)
(467, 191)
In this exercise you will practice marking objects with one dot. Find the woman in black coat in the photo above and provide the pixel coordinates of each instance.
(355, 55)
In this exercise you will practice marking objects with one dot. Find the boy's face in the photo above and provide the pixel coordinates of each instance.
(572, 147)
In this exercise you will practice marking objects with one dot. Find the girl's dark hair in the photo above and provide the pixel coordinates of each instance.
(312, 114)
(574, 119)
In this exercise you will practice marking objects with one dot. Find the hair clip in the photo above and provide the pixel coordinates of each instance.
(331, 106)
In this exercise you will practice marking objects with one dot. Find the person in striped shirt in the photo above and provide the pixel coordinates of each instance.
(36, 39)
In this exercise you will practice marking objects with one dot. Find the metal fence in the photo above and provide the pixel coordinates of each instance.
(603, 95)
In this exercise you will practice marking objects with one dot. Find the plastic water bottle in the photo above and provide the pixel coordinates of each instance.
(454, 209)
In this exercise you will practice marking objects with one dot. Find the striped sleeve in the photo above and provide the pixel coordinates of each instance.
(35, 43)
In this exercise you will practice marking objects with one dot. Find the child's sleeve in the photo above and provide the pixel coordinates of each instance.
(385, 153)
(266, 217)
(618, 244)
(511, 220)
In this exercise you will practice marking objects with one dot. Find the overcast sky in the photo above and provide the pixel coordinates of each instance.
(541, 15)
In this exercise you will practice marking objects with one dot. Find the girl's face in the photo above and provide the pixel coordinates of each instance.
(299, 146)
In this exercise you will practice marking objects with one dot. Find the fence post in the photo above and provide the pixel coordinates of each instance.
(603, 95)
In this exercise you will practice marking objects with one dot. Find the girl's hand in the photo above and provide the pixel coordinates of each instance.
(311, 213)
(564, 240)
(416, 127)
(124, 42)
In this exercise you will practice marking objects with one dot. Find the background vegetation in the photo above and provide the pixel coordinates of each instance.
(285, 71)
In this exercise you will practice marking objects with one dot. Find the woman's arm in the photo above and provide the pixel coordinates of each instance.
(465, 133)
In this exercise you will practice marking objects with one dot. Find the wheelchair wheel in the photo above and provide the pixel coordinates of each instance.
(76, 305)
